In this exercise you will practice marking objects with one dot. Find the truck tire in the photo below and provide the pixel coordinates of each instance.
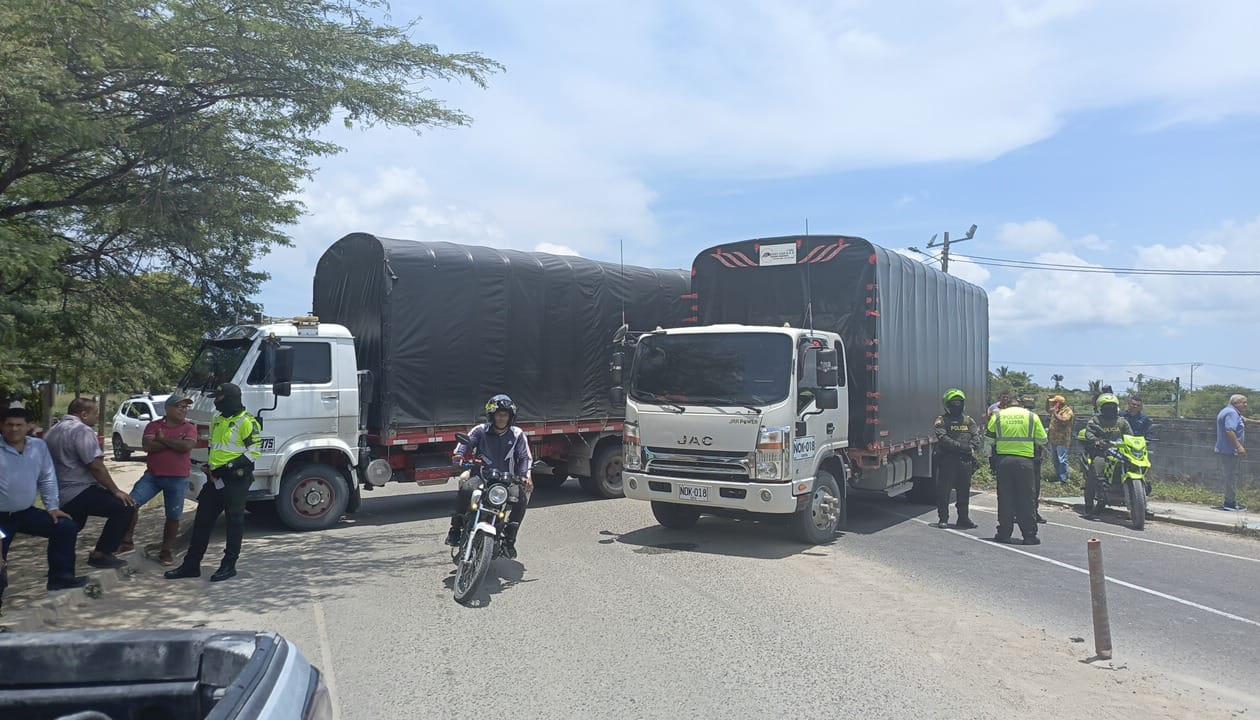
(675, 517)
(818, 521)
(605, 479)
(312, 497)
(121, 451)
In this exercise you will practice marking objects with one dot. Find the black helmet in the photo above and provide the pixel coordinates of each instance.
(497, 403)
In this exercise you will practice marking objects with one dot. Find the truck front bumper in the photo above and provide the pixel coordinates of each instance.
(780, 498)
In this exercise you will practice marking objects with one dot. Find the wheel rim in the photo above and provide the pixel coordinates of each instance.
(612, 472)
(825, 509)
(467, 570)
(313, 497)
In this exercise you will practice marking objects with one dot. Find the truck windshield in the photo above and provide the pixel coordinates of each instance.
(217, 362)
(713, 369)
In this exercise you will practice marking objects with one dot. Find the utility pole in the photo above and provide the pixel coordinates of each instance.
(946, 242)
(1192, 367)
(1177, 396)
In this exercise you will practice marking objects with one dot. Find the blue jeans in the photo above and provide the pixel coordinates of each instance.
(173, 490)
(1059, 453)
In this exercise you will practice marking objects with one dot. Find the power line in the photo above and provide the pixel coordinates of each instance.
(1062, 267)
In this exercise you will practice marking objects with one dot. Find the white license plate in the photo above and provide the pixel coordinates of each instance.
(693, 493)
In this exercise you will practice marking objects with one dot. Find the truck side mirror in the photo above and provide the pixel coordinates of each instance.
(827, 398)
(617, 396)
(282, 389)
(618, 368)
(367, 383)
(282, 371)
(828, 369)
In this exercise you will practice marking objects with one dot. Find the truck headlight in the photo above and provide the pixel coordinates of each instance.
(632, 447)
(770, 460)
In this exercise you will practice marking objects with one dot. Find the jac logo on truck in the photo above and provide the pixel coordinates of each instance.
(695, 440)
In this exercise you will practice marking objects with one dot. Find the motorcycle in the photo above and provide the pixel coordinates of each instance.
(1123, 477)
(484, 522)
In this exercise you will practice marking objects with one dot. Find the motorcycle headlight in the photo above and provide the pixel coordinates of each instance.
(498, 494)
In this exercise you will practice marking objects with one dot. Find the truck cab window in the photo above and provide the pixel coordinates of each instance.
(312, 365)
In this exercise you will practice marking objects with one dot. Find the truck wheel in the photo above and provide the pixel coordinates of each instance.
(817, 522)
(605, 479)
(312, 497)
(121, 451)
(675, 517)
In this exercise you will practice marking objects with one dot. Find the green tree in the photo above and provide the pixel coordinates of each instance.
(1208, 400)
(150, 145)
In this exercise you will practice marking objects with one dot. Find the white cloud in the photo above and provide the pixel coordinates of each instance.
(1093, 242)
(1063, 300)
(971, 272)
(554, 249)
(1035, 235)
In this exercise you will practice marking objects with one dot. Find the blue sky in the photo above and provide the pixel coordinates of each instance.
(1105, 133)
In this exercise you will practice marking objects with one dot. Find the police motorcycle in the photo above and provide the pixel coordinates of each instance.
(1122, 480)
(484, 521)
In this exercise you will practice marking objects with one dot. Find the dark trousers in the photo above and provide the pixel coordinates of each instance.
(464, 498)
(953, 474)
(1016, 496)
(1229, 474)
(210, 503)
(34, 521)
(96, 501)
(1094, 497)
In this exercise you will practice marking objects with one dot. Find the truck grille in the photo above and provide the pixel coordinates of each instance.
(697, 464)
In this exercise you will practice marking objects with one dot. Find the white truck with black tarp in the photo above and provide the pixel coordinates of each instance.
(813, 366)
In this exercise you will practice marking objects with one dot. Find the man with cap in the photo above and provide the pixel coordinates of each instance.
(1016, 432)
(234, 441)
(1104, 429)
(957, 447)
(1029, 402)
(168, 442)
(1060, 434)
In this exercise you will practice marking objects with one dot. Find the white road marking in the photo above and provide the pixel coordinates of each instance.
(325, 659)
(1083, 571)
(1137, 539)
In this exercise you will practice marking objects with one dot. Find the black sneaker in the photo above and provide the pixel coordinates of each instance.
(66, 583)
(965, 524)
(1034, 540)
(181, 572)
(1004, 539)
(942, 524)
(452, 537)
(1041, 519)
(509, 550)
(225, 572)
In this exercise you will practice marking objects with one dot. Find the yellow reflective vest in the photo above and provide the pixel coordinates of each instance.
(232, 437)
(1016, 431)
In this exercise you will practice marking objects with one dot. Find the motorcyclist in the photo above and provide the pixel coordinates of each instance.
(505, 448)
(1104, 429)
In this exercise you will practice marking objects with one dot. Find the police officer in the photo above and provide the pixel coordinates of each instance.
(957, 448)
(234, 439)
(1030, 403)
(1105, 428)
(1016, 432)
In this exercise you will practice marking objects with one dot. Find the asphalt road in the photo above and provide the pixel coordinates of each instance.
(608, 615)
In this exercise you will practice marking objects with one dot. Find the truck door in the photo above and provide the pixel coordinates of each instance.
(825, 430)
(313, 408)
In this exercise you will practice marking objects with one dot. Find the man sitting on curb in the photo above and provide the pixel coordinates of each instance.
(25, 468)
(169, 443)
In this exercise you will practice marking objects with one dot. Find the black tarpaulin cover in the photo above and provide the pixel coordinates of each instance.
(910, 331)
(442, 327)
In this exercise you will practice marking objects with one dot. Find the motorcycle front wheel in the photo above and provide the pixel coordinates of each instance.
(1135, 496)
(472, 566)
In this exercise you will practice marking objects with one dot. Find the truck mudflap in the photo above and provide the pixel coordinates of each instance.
(774, 498)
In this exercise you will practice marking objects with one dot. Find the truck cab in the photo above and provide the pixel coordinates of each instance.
(300, 378)
(737, 419)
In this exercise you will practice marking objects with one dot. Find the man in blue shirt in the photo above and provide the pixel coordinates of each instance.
(1230, 448)
(25, 468)
(1139, 421)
